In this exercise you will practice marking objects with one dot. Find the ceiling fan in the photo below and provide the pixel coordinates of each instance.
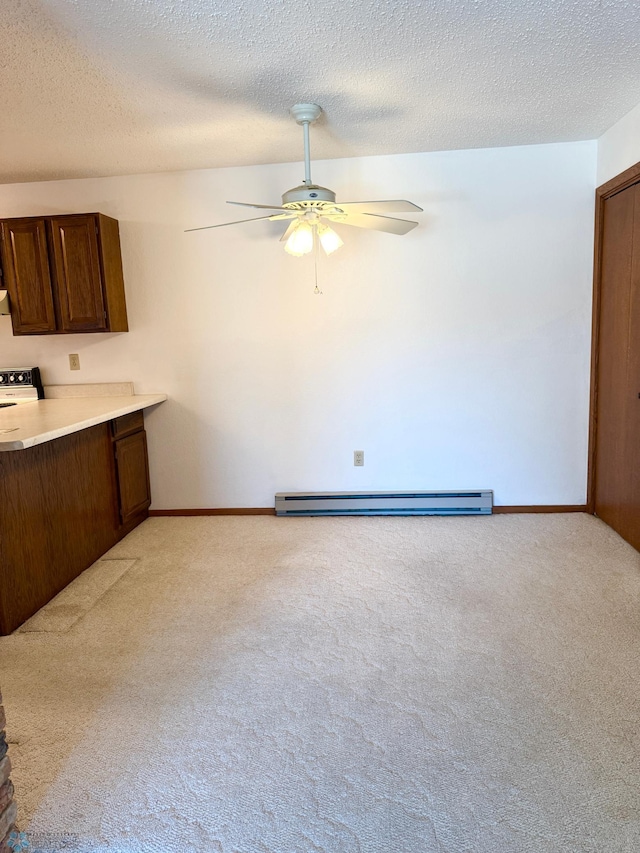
(312, 209)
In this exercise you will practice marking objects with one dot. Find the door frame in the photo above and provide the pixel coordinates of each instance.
(621, 182)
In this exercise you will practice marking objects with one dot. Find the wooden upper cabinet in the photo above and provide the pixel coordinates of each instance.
(64, 274)
(74, 244)
(27, 276)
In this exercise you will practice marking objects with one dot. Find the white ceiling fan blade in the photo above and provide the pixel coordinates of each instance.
(260, 206)
(288, 232)
(240, 221)
(372, 221)
(397, 206)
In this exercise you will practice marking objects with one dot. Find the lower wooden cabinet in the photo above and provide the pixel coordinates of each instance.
(132, 467)
(63, 504)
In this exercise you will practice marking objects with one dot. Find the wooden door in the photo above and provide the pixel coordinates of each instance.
(27, 276)
(617, 405)
(74, 243)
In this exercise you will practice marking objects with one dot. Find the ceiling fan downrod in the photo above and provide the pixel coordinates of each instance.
(307, 194)
(306, 114)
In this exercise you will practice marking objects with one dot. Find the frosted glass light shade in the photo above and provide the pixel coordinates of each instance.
(329, 240)
(300, 241)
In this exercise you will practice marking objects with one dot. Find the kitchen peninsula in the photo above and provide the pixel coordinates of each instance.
(74, 480)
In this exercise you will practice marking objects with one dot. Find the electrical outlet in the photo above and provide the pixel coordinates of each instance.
(74, 361)
(358, 458)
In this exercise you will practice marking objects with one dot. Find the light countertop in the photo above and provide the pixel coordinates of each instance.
(28, 424)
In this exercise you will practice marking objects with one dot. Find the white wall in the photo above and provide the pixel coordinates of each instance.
(619, 147)
(455, 357)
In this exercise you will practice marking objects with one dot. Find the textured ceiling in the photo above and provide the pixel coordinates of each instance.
(122, 86)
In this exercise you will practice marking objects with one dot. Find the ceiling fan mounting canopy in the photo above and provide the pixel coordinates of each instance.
(312, 209)
(306, 113)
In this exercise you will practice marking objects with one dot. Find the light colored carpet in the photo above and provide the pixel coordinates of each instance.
(343, 685)
(78, 598)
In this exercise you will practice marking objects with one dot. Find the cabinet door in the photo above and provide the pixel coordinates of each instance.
(27, 276)
(133, 475)
(78, 281)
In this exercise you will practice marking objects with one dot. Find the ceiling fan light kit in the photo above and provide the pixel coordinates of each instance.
(312, 209)
(300, 240)
(329, 239)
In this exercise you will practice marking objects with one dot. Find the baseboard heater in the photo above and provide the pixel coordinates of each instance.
(384, 503)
